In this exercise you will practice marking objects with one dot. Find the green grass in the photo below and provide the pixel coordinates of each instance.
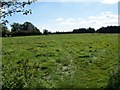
(59, 61)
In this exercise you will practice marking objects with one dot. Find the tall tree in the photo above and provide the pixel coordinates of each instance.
(45, 31)
(15, 27)
(26, 28)
(90, 30)
(4, 31)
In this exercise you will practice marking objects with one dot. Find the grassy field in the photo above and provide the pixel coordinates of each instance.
(59, 61)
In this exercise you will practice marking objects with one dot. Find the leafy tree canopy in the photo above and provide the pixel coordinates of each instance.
(26, 28)
(4, 30)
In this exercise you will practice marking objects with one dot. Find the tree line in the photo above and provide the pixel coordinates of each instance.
(17, 29)
(108, 29)
(27, 28)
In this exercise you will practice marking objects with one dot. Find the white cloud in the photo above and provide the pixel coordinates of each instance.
(104, 19)
(109, 1)
(69, 21)
(68, 0)
(59, 19)
(101, 1)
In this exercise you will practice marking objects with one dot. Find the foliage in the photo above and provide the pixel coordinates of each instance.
(84, 30)
(4, 31)
(24, 29)
(59, 61)
(45, 32)
(109, 29)
(9, 7)
(29, 29)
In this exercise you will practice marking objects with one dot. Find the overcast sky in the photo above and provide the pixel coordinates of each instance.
(66, 15)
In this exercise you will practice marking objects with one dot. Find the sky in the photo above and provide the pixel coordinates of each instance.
(66, 15)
